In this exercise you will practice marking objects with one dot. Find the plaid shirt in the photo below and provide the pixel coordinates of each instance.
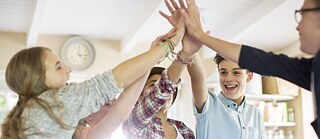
(143, 124)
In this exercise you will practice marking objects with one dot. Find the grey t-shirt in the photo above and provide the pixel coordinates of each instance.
(79, 100)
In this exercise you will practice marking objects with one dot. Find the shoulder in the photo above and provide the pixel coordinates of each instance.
(252, 108)
(212, 96)
(183, 129)
(176, 122)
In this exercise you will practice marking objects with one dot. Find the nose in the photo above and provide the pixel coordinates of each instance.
(228, 78)
(68, 69)
(297, 28)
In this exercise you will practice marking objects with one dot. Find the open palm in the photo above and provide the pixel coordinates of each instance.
(175, 13)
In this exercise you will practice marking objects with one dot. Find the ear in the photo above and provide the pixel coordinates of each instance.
(249, 76)
(143, 94)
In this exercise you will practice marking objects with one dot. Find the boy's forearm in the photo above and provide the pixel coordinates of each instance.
(226, 49)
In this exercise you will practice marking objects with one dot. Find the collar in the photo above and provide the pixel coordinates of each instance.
(231, 104)
(169, 120)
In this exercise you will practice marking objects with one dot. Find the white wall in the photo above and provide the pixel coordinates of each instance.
(107, 51)
(184, 106)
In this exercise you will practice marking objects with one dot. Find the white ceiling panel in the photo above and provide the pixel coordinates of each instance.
(267, 24)
(108, 19)
(275, 30)
(15, 15)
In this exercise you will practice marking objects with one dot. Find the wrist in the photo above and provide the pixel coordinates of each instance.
(160, 49)
(202, 37)
(179, 34)
(166, 46)
(185, 55)
(184, 58)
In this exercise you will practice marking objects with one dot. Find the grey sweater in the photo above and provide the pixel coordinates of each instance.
(79, 100)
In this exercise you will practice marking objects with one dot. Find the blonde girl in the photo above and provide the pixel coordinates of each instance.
(48, 107)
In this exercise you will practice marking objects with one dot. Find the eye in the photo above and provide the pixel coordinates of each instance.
(236, 72)
(151, 85)
(223, 73)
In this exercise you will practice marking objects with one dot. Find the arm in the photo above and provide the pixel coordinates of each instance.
(128, 71)
(85, 124)
(187, 52)
(198, 83)
(146, 109)
(295, 70)
(191, 46)
(120, 110)
(261, 62)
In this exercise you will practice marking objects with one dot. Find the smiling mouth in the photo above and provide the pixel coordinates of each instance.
(228, 87)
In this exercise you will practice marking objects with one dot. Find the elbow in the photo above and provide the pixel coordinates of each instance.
(124, 116)
(119, 79)
(198, 77)
(120, 84)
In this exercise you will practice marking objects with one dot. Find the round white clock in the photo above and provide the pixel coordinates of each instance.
(78, 53)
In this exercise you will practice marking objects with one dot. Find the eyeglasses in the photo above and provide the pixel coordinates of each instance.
(298, 13)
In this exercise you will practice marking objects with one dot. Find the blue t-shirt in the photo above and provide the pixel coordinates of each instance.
(222, 118)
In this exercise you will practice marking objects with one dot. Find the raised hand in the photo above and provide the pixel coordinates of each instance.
(175, 18)
(190, 45)
(175, 11)
(191, 18)
(168, 35)
(180, 32)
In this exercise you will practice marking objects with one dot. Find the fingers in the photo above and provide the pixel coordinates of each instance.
(170, 35)
(192, 5)
(182, 4)
(169, 6)
(194, 9)
(160, 37)
(174, 4)
(172, 32)
(164, 15)
(192, 14)
(197, 10)
(185, 17)
(189, 4)
(155, 42)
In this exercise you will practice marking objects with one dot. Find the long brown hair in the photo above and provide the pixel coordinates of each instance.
(25, 75)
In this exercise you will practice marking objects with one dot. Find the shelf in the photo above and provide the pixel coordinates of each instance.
(268, 97)
(279, 124)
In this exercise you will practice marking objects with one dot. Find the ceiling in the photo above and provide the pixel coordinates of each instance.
(266, 24)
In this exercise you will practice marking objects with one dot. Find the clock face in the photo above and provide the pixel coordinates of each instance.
(77, 53)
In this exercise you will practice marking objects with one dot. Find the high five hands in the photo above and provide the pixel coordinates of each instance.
(191, 19)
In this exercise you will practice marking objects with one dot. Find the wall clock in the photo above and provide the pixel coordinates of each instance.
(77, 53)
